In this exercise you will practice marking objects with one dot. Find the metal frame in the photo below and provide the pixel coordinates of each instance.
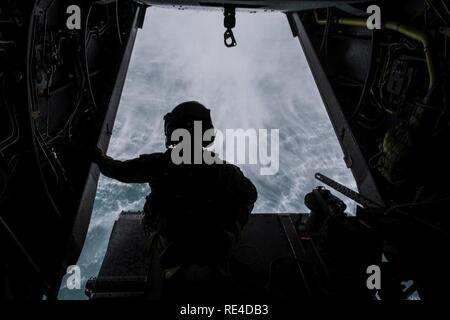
(353, 156)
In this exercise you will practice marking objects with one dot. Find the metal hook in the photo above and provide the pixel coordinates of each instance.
(229, 23)
(228, 39)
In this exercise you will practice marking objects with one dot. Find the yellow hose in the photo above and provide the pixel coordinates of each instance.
(405, 30)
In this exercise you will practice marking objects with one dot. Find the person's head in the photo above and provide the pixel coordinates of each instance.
(183, 116)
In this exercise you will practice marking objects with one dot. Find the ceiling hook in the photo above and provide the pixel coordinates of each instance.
(229, 23)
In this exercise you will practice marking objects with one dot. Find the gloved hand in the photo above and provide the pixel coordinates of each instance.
(96, 154)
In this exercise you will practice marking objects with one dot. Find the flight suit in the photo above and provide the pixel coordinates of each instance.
(196, 209)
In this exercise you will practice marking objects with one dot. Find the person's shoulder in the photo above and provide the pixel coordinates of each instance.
(152, 156)
(231, 168)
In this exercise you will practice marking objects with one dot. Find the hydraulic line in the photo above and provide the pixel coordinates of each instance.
(408, 31)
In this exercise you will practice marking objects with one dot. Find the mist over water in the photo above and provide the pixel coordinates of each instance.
(264, 83)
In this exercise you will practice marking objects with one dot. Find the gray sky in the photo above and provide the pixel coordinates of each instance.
(264, 82)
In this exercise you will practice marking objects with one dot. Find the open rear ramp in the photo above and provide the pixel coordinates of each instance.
(269, 257)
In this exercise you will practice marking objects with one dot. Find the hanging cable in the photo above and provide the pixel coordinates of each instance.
(119, 34)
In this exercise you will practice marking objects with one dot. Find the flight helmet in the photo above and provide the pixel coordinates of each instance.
(183, 116)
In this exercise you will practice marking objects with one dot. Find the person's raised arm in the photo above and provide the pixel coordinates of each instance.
(138, 170)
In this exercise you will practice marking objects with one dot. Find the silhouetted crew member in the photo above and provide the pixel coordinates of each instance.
(195, 210)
